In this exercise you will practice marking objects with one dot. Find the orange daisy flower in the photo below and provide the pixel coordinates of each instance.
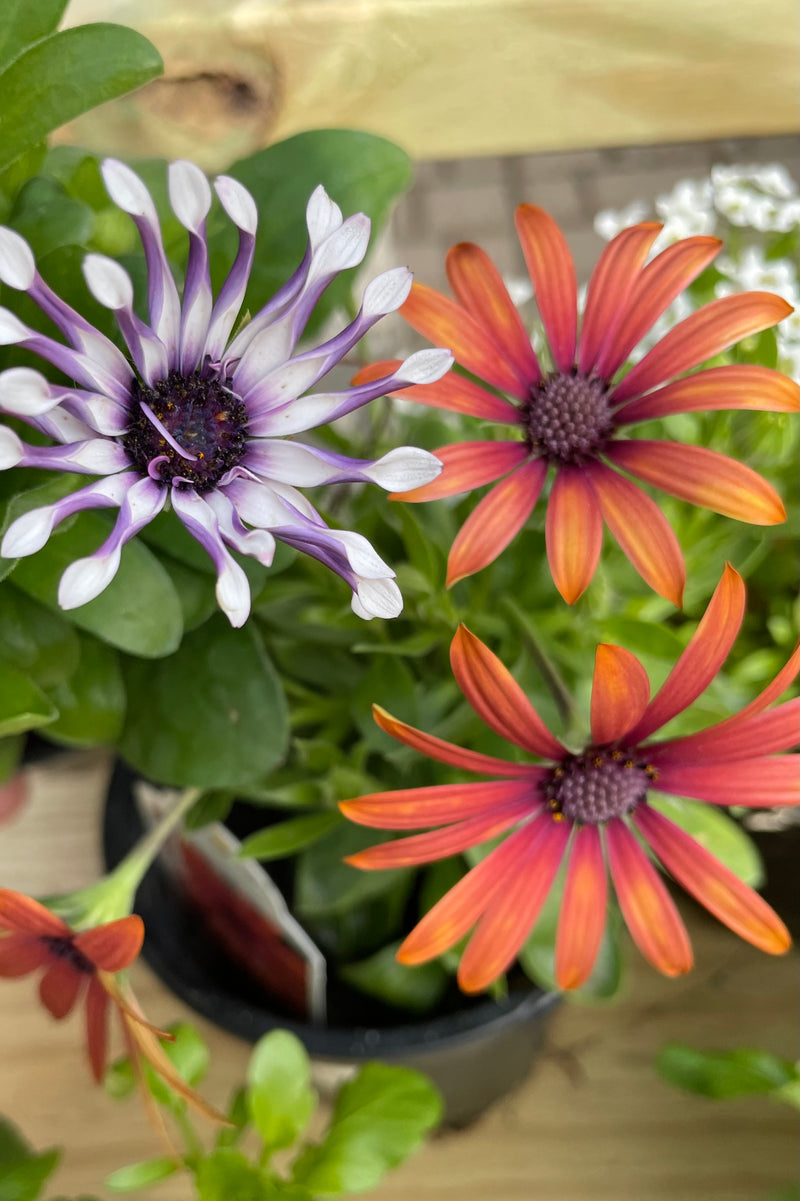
(32, 937)
(570, 417)
(587, 808)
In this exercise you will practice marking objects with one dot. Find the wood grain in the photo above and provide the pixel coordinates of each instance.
(592, 1123)
(451, 78)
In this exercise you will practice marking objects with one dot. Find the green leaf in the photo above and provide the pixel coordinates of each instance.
(91, 702)
(286, 838)
(48, 218)
(718, 833)
(723, 1074)
(379, 1119)
(64, 75)
(239, 1117)
(25, 22)
(213, 806)
(279, 1093)
(417, 989)
(227, 1175)
(23, 705)
(213, 715)
(138, 612)
(39, 642)
(361, 172)
(326, 885)
(23, 1172)
(140, 1175)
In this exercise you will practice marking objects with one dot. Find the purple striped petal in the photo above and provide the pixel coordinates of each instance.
(259, 544)
(87, 578)
(260, 384)
(241, 208)
(295, 463)
(30, 532)
(111, 286)
(129, 193)
(77, 366)
(308, 412)
(323, 220)
(233, 589)
(190, 197)
(96, 456)
(18, 270)
(26, 394)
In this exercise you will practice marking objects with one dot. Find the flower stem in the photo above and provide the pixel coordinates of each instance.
(552, 677)
(112, 897)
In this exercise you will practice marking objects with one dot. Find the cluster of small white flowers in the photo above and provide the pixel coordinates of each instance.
(761, 203)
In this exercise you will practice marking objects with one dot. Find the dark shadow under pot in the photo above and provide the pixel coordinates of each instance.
(475, 1050)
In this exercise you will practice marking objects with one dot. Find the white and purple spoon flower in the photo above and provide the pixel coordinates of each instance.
(197, 419)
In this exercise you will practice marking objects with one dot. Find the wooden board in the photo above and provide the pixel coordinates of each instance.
(592, 1123)
(451, 78)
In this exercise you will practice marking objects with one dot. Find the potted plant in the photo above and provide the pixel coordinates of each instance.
(179, 346)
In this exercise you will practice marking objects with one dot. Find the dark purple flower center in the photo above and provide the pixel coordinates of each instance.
(568, 417)
(597, 785)
(62, 946)
(187, 427)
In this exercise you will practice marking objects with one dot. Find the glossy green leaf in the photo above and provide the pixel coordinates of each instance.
(48, 218)
(213, 715)
(416, 989)
(25, 22)
(286, 838)
(23, 705)
(718, 833)
(361, 172)
(91, 701)
(140, 1175)
(379, 1119)
(138, 612)
(722, 1074)
(279, 1093)
(66, 74)
(36, 640)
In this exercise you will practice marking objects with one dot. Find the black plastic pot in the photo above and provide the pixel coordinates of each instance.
(474, 1054)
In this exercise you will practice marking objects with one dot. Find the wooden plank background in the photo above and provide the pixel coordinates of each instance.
(451, 78)
(592, 1123)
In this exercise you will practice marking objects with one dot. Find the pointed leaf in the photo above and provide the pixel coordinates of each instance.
(66, 74)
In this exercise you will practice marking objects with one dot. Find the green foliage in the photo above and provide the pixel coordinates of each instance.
(289, 837)
(279, 1094)
(416, 989)
(139, 612)
(65, 74)
(724, 1074)
(140, 1175)
(23, 1172)
(379, 1118)
(211, 715)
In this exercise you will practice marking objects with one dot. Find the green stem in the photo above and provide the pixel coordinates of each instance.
(112, 897)
(562, 696)
(194, 1148)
